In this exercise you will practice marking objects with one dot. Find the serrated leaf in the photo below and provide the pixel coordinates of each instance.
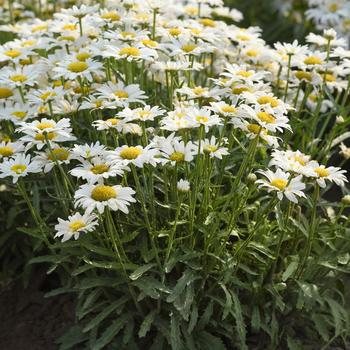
(140, 271)
(105, 313)
(73, 337)
(110, 332)
(291, 268)
(187, 277)
(208, 341)
(147, 323)
(240, 325)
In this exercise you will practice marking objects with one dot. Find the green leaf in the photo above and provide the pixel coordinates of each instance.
(108, 265)
(255, 322)
(33, 232)
(140, 271)
(147, 323)
(175, 333)
(111, 331)
(208, 341)
(73, 337)
(240, 325)
(187, 277)
(291, 268)
(48, 259)
(105, 313)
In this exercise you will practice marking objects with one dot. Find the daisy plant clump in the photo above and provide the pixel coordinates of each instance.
(181, 176)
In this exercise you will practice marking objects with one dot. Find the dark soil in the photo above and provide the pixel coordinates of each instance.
(28, 320)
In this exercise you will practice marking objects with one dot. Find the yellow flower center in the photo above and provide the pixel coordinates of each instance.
(130, 51)
(312, 60)
(202, 119)
(239, 90)
(76, 225)
(77, 67)
(177, 157)
(300, 160)
(121, 94)
(268, 100)
(25, 62)
(59, 154)
(333, 7)
(126, 34)
(266, 117)
(144, 114)
(330, 78)
(130, 153)
(303, 75)
(82, 56)
(281, 184)
(191, 10)
(41, 137)
(5, 92)
(66, 38)
(245, 74)
(252, 53)
(207, 22)
(113, 16)
(188, 48)
(198, 90)
(47, 94)
(228, 109)
(210, 148)
(99, 169)
(322, 172)
(45, 125)
(243, 37)
(174, 31)
(69, 27)
(255, 128)
(149, 43)
(18, 168)
(102, 193)
(6, 151)
(113, 121)
(18, 78)
(39, 27)
(12, 53)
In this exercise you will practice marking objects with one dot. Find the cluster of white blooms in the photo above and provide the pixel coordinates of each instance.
(100, 92)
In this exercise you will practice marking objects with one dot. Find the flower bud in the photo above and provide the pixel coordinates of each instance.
(339, 119)
(252, 177)
(346, 199)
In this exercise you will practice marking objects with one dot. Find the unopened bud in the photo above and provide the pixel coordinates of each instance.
(339, 119)
(252, 177)
(346, 199)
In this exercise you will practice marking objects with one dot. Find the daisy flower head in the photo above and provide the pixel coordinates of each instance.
(9, 149)
(282, 183)
(213, 148)
(203, 116)
(97, 197)
(146, 113)
(120, 95)
(131, 53)
(48, 159)
(136, 155)
(331, 174)
(175, 151)
(268, 121)
(18, 166)
(75, 225)
(224, 109)
(88, 152)
(98, 169)
(38, 131)
(183, 186)
(292, 161)
(72, 69)
(110, 123)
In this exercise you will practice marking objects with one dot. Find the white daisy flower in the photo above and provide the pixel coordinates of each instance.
(18, 166)
(120, 95)
(86, 151)
(91, 197)
(47, 160)
(183, 186)
(332, 174)
(110, 123)
(212, 148)
(75, 225)
(98, 169)
(146, 113)
(175, 151)
(136, 155)
(281, 183)
(9, 149)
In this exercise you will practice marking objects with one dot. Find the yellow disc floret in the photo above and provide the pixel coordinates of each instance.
(322, 172)
(76, 225)
(177, 157)
(102, 193)
(6, 151)
(78, 67)
(99, 169)
(130, 153)
(281, 184)
(19, 168)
